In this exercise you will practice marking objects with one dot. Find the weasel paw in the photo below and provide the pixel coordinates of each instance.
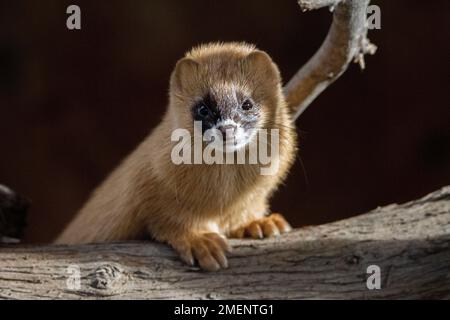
(208, 249)
(270, 226)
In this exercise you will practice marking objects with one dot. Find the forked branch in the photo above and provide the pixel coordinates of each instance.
(346, 41)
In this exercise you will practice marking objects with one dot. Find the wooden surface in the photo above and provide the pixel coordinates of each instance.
(410, 243)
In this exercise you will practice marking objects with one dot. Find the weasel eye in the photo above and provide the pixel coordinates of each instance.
(247, 105)
(203, 110)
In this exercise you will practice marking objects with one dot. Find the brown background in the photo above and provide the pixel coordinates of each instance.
(73, 103)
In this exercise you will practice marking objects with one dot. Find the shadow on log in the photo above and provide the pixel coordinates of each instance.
(410, 243)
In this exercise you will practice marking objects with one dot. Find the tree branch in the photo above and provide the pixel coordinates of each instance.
(410, 243)
(346, 41)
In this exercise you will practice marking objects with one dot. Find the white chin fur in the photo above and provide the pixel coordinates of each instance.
(240, 139)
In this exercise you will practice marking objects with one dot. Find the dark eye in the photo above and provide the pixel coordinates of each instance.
(247, 105)
(202, 110)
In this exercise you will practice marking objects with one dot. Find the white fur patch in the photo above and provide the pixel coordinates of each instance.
(227, 122)
(241, 137)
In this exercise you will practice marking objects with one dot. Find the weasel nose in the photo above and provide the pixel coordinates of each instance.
(227, 130)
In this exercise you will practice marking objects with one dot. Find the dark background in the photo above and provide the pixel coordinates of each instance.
(74, 103)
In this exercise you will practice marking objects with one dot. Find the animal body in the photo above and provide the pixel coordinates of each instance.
(232, 88)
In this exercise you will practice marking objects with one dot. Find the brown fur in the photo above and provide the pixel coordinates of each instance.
(192, 207)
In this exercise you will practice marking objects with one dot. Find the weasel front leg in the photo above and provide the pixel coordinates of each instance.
(205, 245)
(272, 225)
(208, 248)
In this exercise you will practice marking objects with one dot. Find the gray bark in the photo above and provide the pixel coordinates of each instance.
(409, 242)
(346, 41)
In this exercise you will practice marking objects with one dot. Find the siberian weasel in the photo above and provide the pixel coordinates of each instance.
(232, 87)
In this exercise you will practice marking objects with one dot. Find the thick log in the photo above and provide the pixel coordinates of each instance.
(410, 243)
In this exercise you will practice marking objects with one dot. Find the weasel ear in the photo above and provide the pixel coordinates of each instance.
(262, 66)
(184, 73)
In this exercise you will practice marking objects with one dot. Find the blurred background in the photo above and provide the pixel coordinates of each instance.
(74, 103)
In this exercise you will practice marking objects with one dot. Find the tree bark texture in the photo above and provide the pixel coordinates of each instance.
(410, 243)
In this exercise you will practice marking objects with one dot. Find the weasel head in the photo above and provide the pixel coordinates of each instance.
(233, 89)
